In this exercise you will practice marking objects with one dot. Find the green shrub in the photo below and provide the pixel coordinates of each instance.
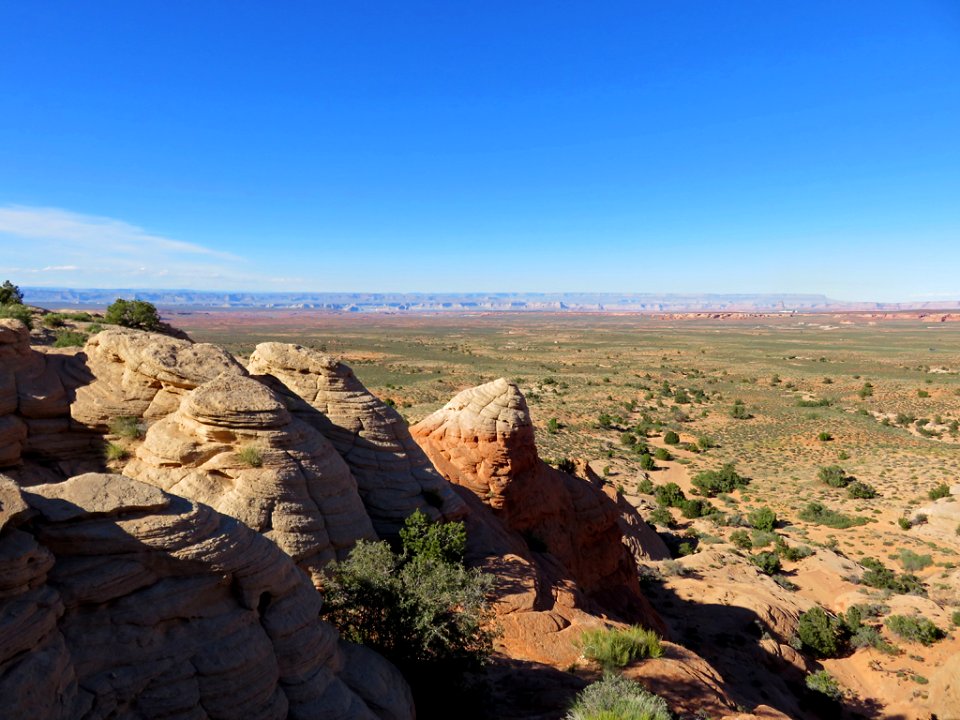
(912, 562)
(671, 438)
(822, 402)
(553, 426)
(645, 486)
(858, 490)
(617, 698)
(628, 439)
(705, 442)
(824, 436)
(792, 554)
(741, 539)
(767, 562)
(739, 411)
(819, 514)
(915, 629)
(939, 491)
(250, 455)
(762, 519)
(834, 476)
(424, 614)
(127, 427)
(821, 633)
(662, 454)
(695, 508)
(879, 576)
(904, 523)
(955, 618)
(443, 542)
(646, 462)
(660, 516)
(823, 682)
(53, 320)
(114, 452)
(669, 495)
(70, 338)
(15, 311)
(614, 648)
(138, 314)
(724, 480)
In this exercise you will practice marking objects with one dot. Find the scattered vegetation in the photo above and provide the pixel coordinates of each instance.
(614, 648)
(724, 480)
(819, 514)
(138, 314)
(617, 698)
(250, 455)
(823, 682)
(915, 629)
(127, 427)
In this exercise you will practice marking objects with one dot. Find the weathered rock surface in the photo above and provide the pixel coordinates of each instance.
(233, 445)
(552, 540)
(393, 474)
(35, 393)
(144, 375)
(483, 440)
(119, 600)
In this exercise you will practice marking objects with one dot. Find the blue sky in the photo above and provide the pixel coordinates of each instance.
(488, 146)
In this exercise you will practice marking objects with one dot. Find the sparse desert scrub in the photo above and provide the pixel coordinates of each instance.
(823, 682)
(819, 514)
(126, 426)
(613, 648)
(617, 698)
(915, 629)
(113, 452)
(821, 633)
(250, 455)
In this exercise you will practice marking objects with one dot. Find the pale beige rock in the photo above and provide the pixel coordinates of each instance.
(136, 372)
(394, 476)
(293, 487)
(135, 603)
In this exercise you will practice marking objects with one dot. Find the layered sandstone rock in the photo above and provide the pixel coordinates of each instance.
(119, 600)
(483, 440)
(394, 476)
(552, 540)
(35, 394)
(233, 445)
(144, 375)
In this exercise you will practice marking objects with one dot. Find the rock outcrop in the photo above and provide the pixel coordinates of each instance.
(233, 445)
(120, 600)
(143, 375)
(552, 540)
(35, 394)
(393, 474)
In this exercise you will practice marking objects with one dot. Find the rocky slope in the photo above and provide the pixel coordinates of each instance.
(119, 600)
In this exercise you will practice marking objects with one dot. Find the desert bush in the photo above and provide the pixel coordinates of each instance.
(822, 402)
(669, 495)
(662, 454)
(861, 491)
(671, 438)
(739, 411)
(70, 338)
(794, 553)
(941, 490)
(617, 698)
(53, 320)
(628, 439)
(615, 648)
(724, 480)
(915, 629)
(566, 465)
(126, 426)
(645, 486)
(834, 476)
(904, 523)
(694, 508)
(15, 311)
(823, 682)
(912, 562)
(250, 455)
(955, 618)
(423, 538)
(114, 452)
(424, 613)
(553, 426)
(646, 462)
(767, 562)
(762, 519)
(660, 516)
(821, 633)
(818, 514)
(879, 576)
(741, 539)
(824, 436)
(705, 442)
(138, 314)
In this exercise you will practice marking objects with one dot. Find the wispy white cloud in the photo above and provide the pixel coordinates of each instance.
(52, 246)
